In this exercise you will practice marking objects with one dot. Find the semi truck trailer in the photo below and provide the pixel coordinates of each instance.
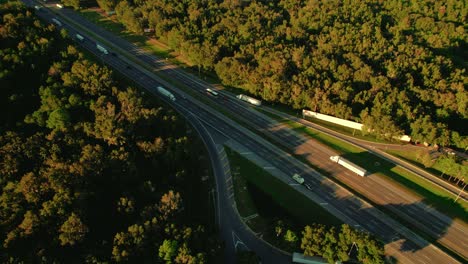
(79, 37)
(102, 49)
(249, 99)
(349, 165)
(166, 93)
(57, 22)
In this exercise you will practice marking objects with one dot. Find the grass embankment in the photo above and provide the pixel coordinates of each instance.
(263, 199)
(435, 196)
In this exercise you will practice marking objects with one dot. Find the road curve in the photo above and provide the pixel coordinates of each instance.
(370, 217)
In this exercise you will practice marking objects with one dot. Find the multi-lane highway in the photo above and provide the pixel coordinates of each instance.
(353, 210)
(376, 148)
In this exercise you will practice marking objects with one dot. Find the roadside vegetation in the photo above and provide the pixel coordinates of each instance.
(396, 67)
(433, 195)
(90, 171)
(163, 50)
(291, 221)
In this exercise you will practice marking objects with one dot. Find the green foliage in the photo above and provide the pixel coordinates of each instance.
(58, 119)
(398, 67)
(72, 231)
(320, 241)
(168, 250)
(89, 170)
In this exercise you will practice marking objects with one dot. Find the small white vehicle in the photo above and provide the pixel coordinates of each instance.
(298, 178)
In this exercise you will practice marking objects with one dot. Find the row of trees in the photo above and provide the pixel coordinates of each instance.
(90, 171)
(334, 245)
(398, 67)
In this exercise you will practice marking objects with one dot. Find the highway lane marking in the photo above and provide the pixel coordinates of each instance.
(269, 168)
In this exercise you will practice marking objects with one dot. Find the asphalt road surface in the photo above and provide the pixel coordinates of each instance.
(401, 242)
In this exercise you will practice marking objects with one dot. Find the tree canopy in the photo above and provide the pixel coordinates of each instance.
(90, 171)
(396, 66)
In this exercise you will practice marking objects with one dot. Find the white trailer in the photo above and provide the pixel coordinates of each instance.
(102, 49)
(79, 37)
(349, 165)
(298, 178)
(249, 99)
(208, 90)
(59, 5)
(166, 93)
(57, 22)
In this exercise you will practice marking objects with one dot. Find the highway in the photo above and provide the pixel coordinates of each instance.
(380, 191)
(353, 210)
(375, 148)
(236, 235)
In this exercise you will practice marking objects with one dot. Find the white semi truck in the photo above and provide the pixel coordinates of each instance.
(166, 93)
(102, 49)
(57, 22)
(349, 165)
(212, 92)
(79, 37)
(249, 99)
(298, 178)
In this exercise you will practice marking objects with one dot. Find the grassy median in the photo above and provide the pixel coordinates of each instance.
(264, 199)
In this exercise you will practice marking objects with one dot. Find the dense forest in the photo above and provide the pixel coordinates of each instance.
(397, 66)
(333, 244)
(90, 171)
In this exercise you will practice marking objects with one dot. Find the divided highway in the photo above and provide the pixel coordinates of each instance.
(401, 242)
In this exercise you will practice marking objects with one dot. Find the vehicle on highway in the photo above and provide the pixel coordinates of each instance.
(59, 5)
(79, 37)
(308, 186)
(249, 99)
(298, 178)
(37, 7)
(212, 92)
(57, 22)
(349, 165)
(166, 93)
(101, 48)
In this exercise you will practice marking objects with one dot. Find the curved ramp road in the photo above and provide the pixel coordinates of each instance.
(401, 242)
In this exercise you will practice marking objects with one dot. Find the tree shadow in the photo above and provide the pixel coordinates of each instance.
(424, 226)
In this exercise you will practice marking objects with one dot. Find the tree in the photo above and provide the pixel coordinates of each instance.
(312, 239)
(72, 231)
(169, 204)
(168, 250)
(30, 223)
(59, 119)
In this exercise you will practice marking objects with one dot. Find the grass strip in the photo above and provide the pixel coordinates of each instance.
(267, 199)
(437, 197)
